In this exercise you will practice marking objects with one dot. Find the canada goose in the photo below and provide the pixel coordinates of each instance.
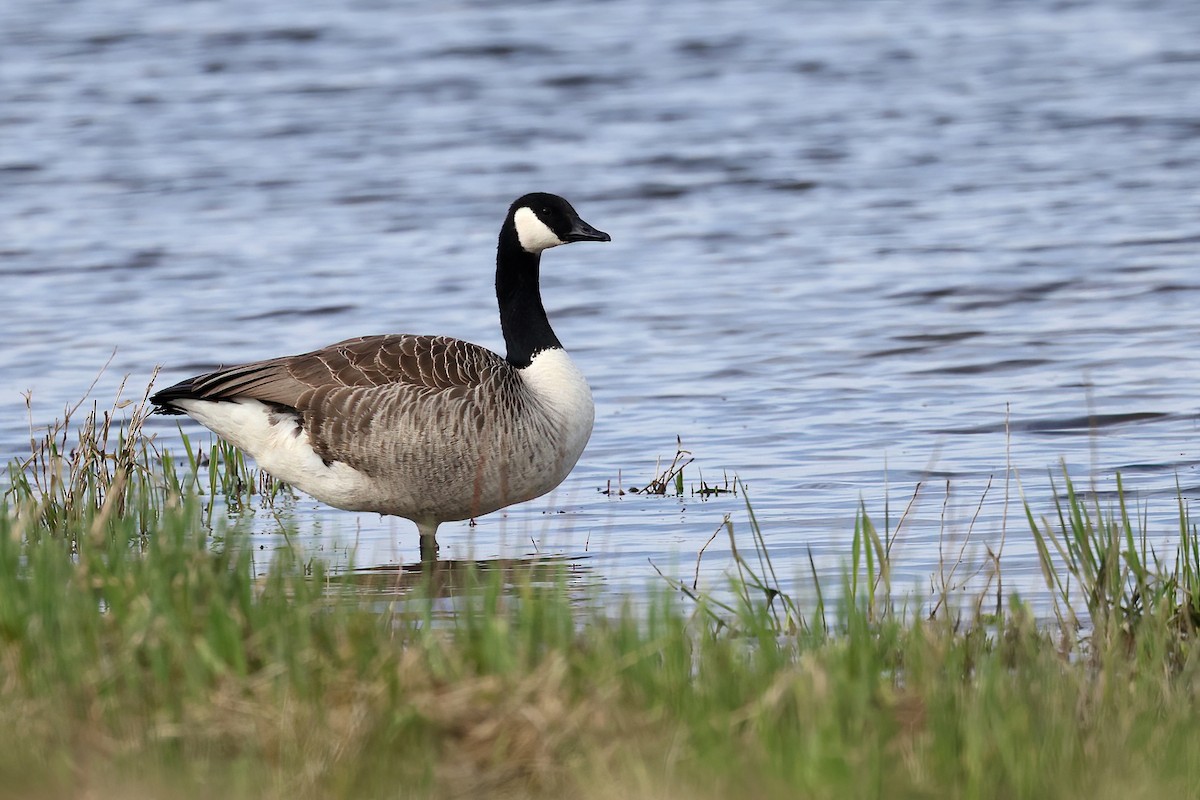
(428, 428)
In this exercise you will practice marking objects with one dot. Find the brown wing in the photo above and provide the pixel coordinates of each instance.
(422, 362)
(340, 392)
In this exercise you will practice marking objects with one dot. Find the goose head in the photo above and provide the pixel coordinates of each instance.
(542, 221)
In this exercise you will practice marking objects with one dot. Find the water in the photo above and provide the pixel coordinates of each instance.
(850, 243)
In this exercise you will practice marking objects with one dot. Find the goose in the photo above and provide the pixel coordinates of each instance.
(429, 428)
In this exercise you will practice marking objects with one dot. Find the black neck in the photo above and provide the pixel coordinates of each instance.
(523, 320)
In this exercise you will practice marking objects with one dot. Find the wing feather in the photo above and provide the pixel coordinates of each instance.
(345, 393)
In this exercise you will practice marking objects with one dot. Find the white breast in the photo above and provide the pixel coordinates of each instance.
(565, 397)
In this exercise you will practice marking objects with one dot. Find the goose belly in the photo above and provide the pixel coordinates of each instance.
(476, 476)
(518, 445)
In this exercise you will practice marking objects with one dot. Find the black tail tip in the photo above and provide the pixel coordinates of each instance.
(164, 400)
(165, 408)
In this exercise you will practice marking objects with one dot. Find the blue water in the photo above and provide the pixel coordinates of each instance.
(856, 247)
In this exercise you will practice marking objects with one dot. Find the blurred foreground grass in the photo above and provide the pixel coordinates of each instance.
(141, 657)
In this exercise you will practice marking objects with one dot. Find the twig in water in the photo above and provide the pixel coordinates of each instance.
(696, 578)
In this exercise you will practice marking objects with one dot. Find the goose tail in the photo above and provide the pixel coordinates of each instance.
(164, 400)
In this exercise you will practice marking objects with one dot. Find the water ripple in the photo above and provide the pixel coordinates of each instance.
(854, 247)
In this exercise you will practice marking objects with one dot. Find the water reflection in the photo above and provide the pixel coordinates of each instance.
(856, 245)
(448, 578)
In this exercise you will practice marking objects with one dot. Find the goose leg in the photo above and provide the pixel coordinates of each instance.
(429, 545)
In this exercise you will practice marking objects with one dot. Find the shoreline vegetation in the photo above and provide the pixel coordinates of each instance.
(140, 656)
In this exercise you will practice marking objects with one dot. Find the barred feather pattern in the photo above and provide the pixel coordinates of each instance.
(429, 428)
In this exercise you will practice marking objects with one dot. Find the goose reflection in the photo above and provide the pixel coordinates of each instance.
(456, 577)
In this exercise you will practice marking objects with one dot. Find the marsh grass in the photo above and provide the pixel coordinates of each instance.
(142, 656)
(669, 480)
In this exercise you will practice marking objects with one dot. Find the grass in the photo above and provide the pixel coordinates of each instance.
(141, 657)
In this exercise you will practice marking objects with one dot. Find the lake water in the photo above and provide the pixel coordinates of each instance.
(849, 242)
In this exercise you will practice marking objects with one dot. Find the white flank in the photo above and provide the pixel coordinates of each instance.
(557, 383)
(534, 235)
(274, 441)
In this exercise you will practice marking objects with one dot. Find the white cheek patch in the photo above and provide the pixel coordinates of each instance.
(534, 235)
